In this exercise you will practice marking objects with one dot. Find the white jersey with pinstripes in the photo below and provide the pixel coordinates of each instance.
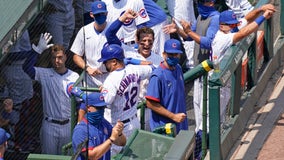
(56, 102)
(116, 9)
(121, 89)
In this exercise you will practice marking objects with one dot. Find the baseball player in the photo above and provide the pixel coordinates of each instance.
(145, 40)
(158, 19)
(116, 9)
(165, 94)
(202, 33)
(88, 44)
(225, 38)
(121, 89)
(55, 130)
(94, 128)
(183, 9)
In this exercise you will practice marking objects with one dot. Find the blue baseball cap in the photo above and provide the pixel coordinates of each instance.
(4, 136)
(96, 99)
(172, 46)
(110, 52)
(228, 17)
(99, 7)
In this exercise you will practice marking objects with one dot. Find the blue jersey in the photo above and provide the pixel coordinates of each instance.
(167, 88)
(97, 135)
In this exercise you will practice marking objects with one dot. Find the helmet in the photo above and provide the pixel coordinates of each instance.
(111, 51)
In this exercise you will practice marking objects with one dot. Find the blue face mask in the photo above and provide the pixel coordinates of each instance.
(95, 118)
(100, 19)
(205, 11)
(172, 61)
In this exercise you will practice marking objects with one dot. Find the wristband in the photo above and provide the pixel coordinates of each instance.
(112, 141)
(259, 20)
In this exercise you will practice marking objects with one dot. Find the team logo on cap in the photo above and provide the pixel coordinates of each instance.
(234, 16)
(99, 5)
(101, 97)
(143, 13)
(174, 45)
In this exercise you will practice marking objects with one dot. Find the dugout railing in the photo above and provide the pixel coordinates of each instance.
(243, 98)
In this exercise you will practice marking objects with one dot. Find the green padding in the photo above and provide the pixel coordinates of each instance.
(182, 147)
(146, 145)
(47, 157)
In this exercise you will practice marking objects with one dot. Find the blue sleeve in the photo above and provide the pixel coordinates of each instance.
(28, 66)
(111, 32)
(132, 61)
(153, 89)
(205, 41)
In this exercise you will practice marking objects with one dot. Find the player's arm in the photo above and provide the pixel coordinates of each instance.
(187, 30)
(252, 27)
(161, 110)
(79, 61)
(173, 27)
(116, 137)
(115, 26)
(251, 16)
(98, 151)
(28, 66)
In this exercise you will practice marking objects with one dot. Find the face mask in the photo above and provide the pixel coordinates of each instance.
(95, 118)
(100, 19)
(172, 61)
(205, 11)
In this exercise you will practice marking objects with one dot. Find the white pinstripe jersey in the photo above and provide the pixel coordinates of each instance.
(115, 9)
(121, 89)
(56, 102)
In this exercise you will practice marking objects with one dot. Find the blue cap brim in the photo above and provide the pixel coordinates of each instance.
(173, 51)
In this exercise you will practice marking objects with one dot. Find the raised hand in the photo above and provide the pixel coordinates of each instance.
(170, 28)
(186, 26)
(43, 43)
(128, 15)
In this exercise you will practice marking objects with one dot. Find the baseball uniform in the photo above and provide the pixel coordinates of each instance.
(220, 44)
(167, 87)
(158, 19)
(121, 89)
(116, 9)
(55, 130)
(97, 135)
(89, 42)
